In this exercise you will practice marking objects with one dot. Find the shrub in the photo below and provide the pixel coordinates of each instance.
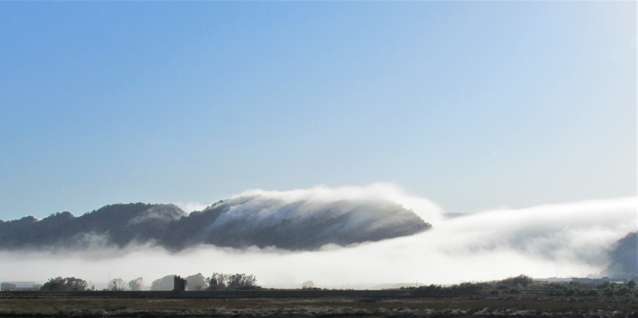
(518, 281)
(219, 281)
(64, 284)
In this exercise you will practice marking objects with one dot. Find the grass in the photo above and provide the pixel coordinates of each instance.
(89, 306)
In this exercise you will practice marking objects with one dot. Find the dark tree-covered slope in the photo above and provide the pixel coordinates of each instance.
(624, 257)
(251, 220)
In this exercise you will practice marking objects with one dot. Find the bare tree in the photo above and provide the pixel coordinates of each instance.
(242, 281)
(217, 281)
(136, 284)
(116, 284)
(234, 281)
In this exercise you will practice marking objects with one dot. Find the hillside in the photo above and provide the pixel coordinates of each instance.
(244, 221)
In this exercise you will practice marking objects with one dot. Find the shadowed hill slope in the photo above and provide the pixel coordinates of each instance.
(624, 257)
(251, 220)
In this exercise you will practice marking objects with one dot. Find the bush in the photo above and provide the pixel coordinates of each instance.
(219, 281)
(463, 289)
(518, 281)
(64, 284)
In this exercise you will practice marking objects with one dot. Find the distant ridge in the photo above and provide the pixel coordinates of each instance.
(249, 220)
(624, 258)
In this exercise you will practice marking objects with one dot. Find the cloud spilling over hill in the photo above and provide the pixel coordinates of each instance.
(303, 220)
(557, 240)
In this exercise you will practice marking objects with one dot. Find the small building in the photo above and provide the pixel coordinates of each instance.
(19, 286)
(179, 284)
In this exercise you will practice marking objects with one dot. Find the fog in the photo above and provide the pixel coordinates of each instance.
(558, 240)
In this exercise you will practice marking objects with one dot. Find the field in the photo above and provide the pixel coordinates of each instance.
(312, 303)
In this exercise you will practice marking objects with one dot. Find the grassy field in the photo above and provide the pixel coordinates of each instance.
(396, 303)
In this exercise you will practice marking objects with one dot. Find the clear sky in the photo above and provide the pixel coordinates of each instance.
(473, 105)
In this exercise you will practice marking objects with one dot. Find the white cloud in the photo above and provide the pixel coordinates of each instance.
(189, 207)
(551, 240)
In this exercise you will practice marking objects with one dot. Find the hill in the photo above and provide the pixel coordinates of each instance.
(250, 220)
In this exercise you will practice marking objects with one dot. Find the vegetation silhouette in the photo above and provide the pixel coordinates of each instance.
(65, 284)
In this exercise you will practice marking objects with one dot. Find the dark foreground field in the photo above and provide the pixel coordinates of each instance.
(297, 303)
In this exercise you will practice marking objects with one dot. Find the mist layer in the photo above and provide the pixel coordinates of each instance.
(559, 240)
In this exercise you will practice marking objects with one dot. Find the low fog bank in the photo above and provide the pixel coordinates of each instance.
(560, 240)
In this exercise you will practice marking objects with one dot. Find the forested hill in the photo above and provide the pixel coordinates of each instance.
(251, 220)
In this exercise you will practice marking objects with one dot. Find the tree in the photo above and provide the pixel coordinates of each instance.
(116, 284)
(308, 285)
(220, 281)
(136, 284)
(64, 284)
(518, 281)
(217, 281)
(242, 281)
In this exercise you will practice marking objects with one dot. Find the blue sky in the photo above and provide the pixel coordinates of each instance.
(473, 105)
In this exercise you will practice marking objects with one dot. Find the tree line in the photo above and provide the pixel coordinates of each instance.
(217, 281)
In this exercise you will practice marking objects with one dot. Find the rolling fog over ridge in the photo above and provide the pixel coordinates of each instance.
(571, 239)
(304, 222)
(413, 159)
